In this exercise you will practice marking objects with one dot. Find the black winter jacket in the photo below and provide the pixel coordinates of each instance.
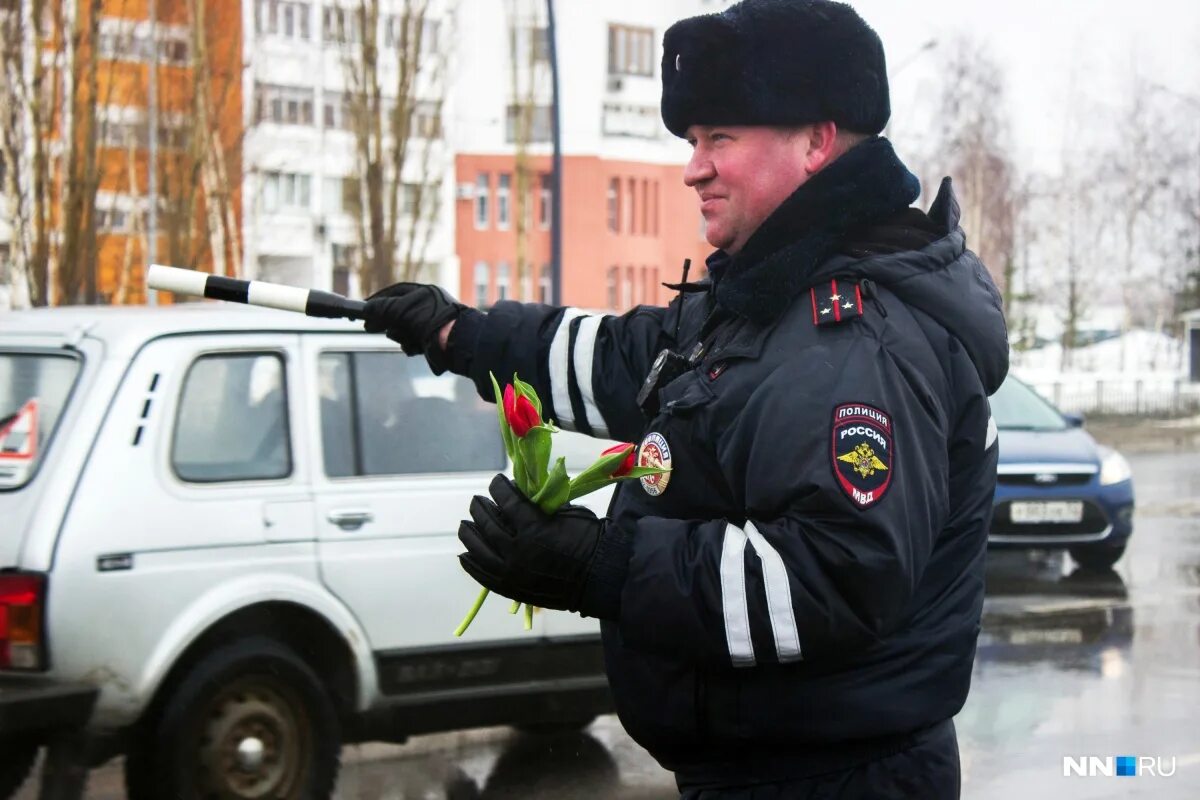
(805, 592)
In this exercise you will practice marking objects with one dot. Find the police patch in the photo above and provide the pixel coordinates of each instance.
(655, 452)
(863, 452)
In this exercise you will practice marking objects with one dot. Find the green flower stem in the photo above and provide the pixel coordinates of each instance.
(470, 617)
(515, 607)
(528, 617)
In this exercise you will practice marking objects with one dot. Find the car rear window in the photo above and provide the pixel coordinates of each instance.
(34, 390)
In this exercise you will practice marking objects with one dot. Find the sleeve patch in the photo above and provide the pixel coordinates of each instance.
(863, 452)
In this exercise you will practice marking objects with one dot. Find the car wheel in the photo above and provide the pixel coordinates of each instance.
(15, 764)
(249, 720)
(1097, 557)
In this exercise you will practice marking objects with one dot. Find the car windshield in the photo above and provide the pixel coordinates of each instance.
(34, 389)
(1017, 407)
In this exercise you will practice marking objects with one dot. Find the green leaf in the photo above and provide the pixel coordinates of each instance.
(555, 490)
(602, 467)
(580, 488)
(642, 472)
(535, 449)
(505, 431)
(525, 389)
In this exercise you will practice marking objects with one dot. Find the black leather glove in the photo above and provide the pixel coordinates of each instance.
(411, 314)
(571, 560)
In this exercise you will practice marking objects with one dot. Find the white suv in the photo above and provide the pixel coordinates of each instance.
(228, 544)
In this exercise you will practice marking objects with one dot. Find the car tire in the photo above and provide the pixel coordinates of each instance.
(1098, 558)
(15, 765)
(249, 720)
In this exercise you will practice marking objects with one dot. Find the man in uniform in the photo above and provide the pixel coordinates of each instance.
(792, 611)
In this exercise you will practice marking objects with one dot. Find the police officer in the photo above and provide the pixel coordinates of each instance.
(792, 611)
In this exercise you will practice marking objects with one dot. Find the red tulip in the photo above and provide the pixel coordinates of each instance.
(625, 466)
(519, 412)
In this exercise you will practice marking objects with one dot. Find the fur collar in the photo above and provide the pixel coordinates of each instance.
(868, 184)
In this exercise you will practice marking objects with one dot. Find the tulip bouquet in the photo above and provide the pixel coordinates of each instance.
(526, 438)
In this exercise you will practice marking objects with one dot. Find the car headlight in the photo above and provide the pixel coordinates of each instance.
(1113, 468)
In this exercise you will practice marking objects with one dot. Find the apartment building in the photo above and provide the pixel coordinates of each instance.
(628, 222)
(302, 177)
(123, 40)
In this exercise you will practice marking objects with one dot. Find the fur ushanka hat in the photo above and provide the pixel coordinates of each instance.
(775, 62)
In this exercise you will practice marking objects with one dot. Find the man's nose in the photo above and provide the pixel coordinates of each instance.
(699, 168)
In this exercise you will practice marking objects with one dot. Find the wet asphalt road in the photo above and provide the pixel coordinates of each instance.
(1070, 663)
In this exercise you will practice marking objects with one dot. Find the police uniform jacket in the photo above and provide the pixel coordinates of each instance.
(803, 591)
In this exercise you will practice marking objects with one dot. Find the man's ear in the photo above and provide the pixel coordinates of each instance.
(822, 146)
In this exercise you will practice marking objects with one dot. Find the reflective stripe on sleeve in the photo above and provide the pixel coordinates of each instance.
(779, 597)
(585, 350)
(559, 368)
(733, 597)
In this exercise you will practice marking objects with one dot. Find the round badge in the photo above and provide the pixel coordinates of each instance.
(655, 452)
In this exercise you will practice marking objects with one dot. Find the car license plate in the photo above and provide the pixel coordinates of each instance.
(1055, 511)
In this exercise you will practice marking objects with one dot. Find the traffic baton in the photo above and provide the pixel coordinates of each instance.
(311, 302)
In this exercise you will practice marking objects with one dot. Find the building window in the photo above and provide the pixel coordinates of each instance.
(540, 124)
(129, 40)
(283, 105)
(289, 20)
(340, 25)
(481, 201)
(630, 50)
(529, 45)
(394, 34)
(627, 289)
(654, 209)
(645, 206)
(614, 204)
(286, 191)
(482, 279)
(611, 288)
(126, 127)
(632, 205)
(344, 258)
(652, 286)
(426, 121)
(544, 284)
(502, 284)
(545, 200)
(503, 196)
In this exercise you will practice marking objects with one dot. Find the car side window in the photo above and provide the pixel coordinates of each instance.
(383, 413)
(232, 421)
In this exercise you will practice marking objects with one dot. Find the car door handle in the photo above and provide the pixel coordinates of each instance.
(350, 520)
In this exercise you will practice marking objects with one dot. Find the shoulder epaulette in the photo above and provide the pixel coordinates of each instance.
(836, 301)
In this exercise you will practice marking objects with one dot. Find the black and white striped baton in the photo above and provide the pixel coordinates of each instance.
(312, 302)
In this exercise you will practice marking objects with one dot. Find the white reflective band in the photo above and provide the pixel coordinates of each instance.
(585, 350)
(174, 279)
(559, 370)
(733, 597)
(273, 295)
(992, 433)
(779, 597)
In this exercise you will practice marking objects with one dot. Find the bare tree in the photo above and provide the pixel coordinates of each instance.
(29, 96)
(527, 49)
(397, 122)
(973, 141)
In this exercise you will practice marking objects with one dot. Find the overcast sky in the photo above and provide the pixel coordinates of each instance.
(1042, 45)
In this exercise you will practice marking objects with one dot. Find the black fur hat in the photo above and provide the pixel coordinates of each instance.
(775, 62)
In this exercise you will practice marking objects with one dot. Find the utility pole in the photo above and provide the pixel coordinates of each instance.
(556, 169)
(151, 254)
